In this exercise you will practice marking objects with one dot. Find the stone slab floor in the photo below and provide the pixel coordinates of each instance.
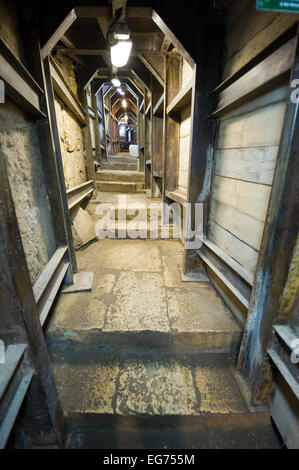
(138, 290)
(142, 360)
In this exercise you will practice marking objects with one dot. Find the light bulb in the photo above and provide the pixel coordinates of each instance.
(122, 36)
(115, 81)
(120, 53)
(120, 91)
(124, 103)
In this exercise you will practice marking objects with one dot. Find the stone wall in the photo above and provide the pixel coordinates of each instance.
(249, 31)
(19, 145)
(70, 132)
(71, 144)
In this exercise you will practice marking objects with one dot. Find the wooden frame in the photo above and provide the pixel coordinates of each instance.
(276, 250)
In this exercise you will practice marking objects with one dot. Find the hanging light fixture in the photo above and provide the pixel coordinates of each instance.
(118, 37)
(115, 81)
(124, 103)
(120, 53)
(120, 91)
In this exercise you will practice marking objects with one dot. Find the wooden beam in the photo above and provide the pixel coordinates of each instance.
(58, 158)
(58, 34)
(165, 45)
(205, 76)
(265, 76)
(20, 86)
(279, 239)
(15, 280)
(172, 38)
(151, 69)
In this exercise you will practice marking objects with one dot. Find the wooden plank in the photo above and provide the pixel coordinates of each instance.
(58, 158)
(157, 144)
(58, 34)
(56, 283)
(286, 334)
(151, 69)
(158, 109)
(14, 408)
(64, 92)
(13, 356)
(250, 198)
(255, 164)
(21, 301)
(45, 277)
(264, 76)
(182, 99)
(148, 108)
(223, 277)
(279, 241)
(246, 228)
(187, 72)
(98, 11)
(232, 246)
(19, 84)
(283, 406)
(184, 158)
(165, 45)
(75, 200)
(183, 178)
(275, 96)
(19, 67)
(172, 38)
(283, 368)
(177, 196)
(260, 127)
(233, 264)
(80, 186)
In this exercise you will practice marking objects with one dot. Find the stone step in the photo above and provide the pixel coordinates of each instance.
(136, 393)
(119, 175)
(122, 159)
(127, 166)
(128, 211)
(127, 229)
(119, 186)
(139, 300)
(155, 437)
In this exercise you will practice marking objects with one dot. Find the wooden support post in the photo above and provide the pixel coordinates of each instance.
(19, 307)
(54, 128)
(96, 123)
(280, 236)
(206, 77)
(44, 129)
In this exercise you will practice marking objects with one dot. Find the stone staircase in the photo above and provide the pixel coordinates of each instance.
(120, 174)
(137, 212)
(145, 360)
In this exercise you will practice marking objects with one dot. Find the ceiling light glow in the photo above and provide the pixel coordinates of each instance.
(120, 53)
(115, 81)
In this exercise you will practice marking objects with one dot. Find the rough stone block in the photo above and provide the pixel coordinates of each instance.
(83, 228)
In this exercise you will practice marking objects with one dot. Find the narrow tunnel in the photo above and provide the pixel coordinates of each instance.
(149, 224)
